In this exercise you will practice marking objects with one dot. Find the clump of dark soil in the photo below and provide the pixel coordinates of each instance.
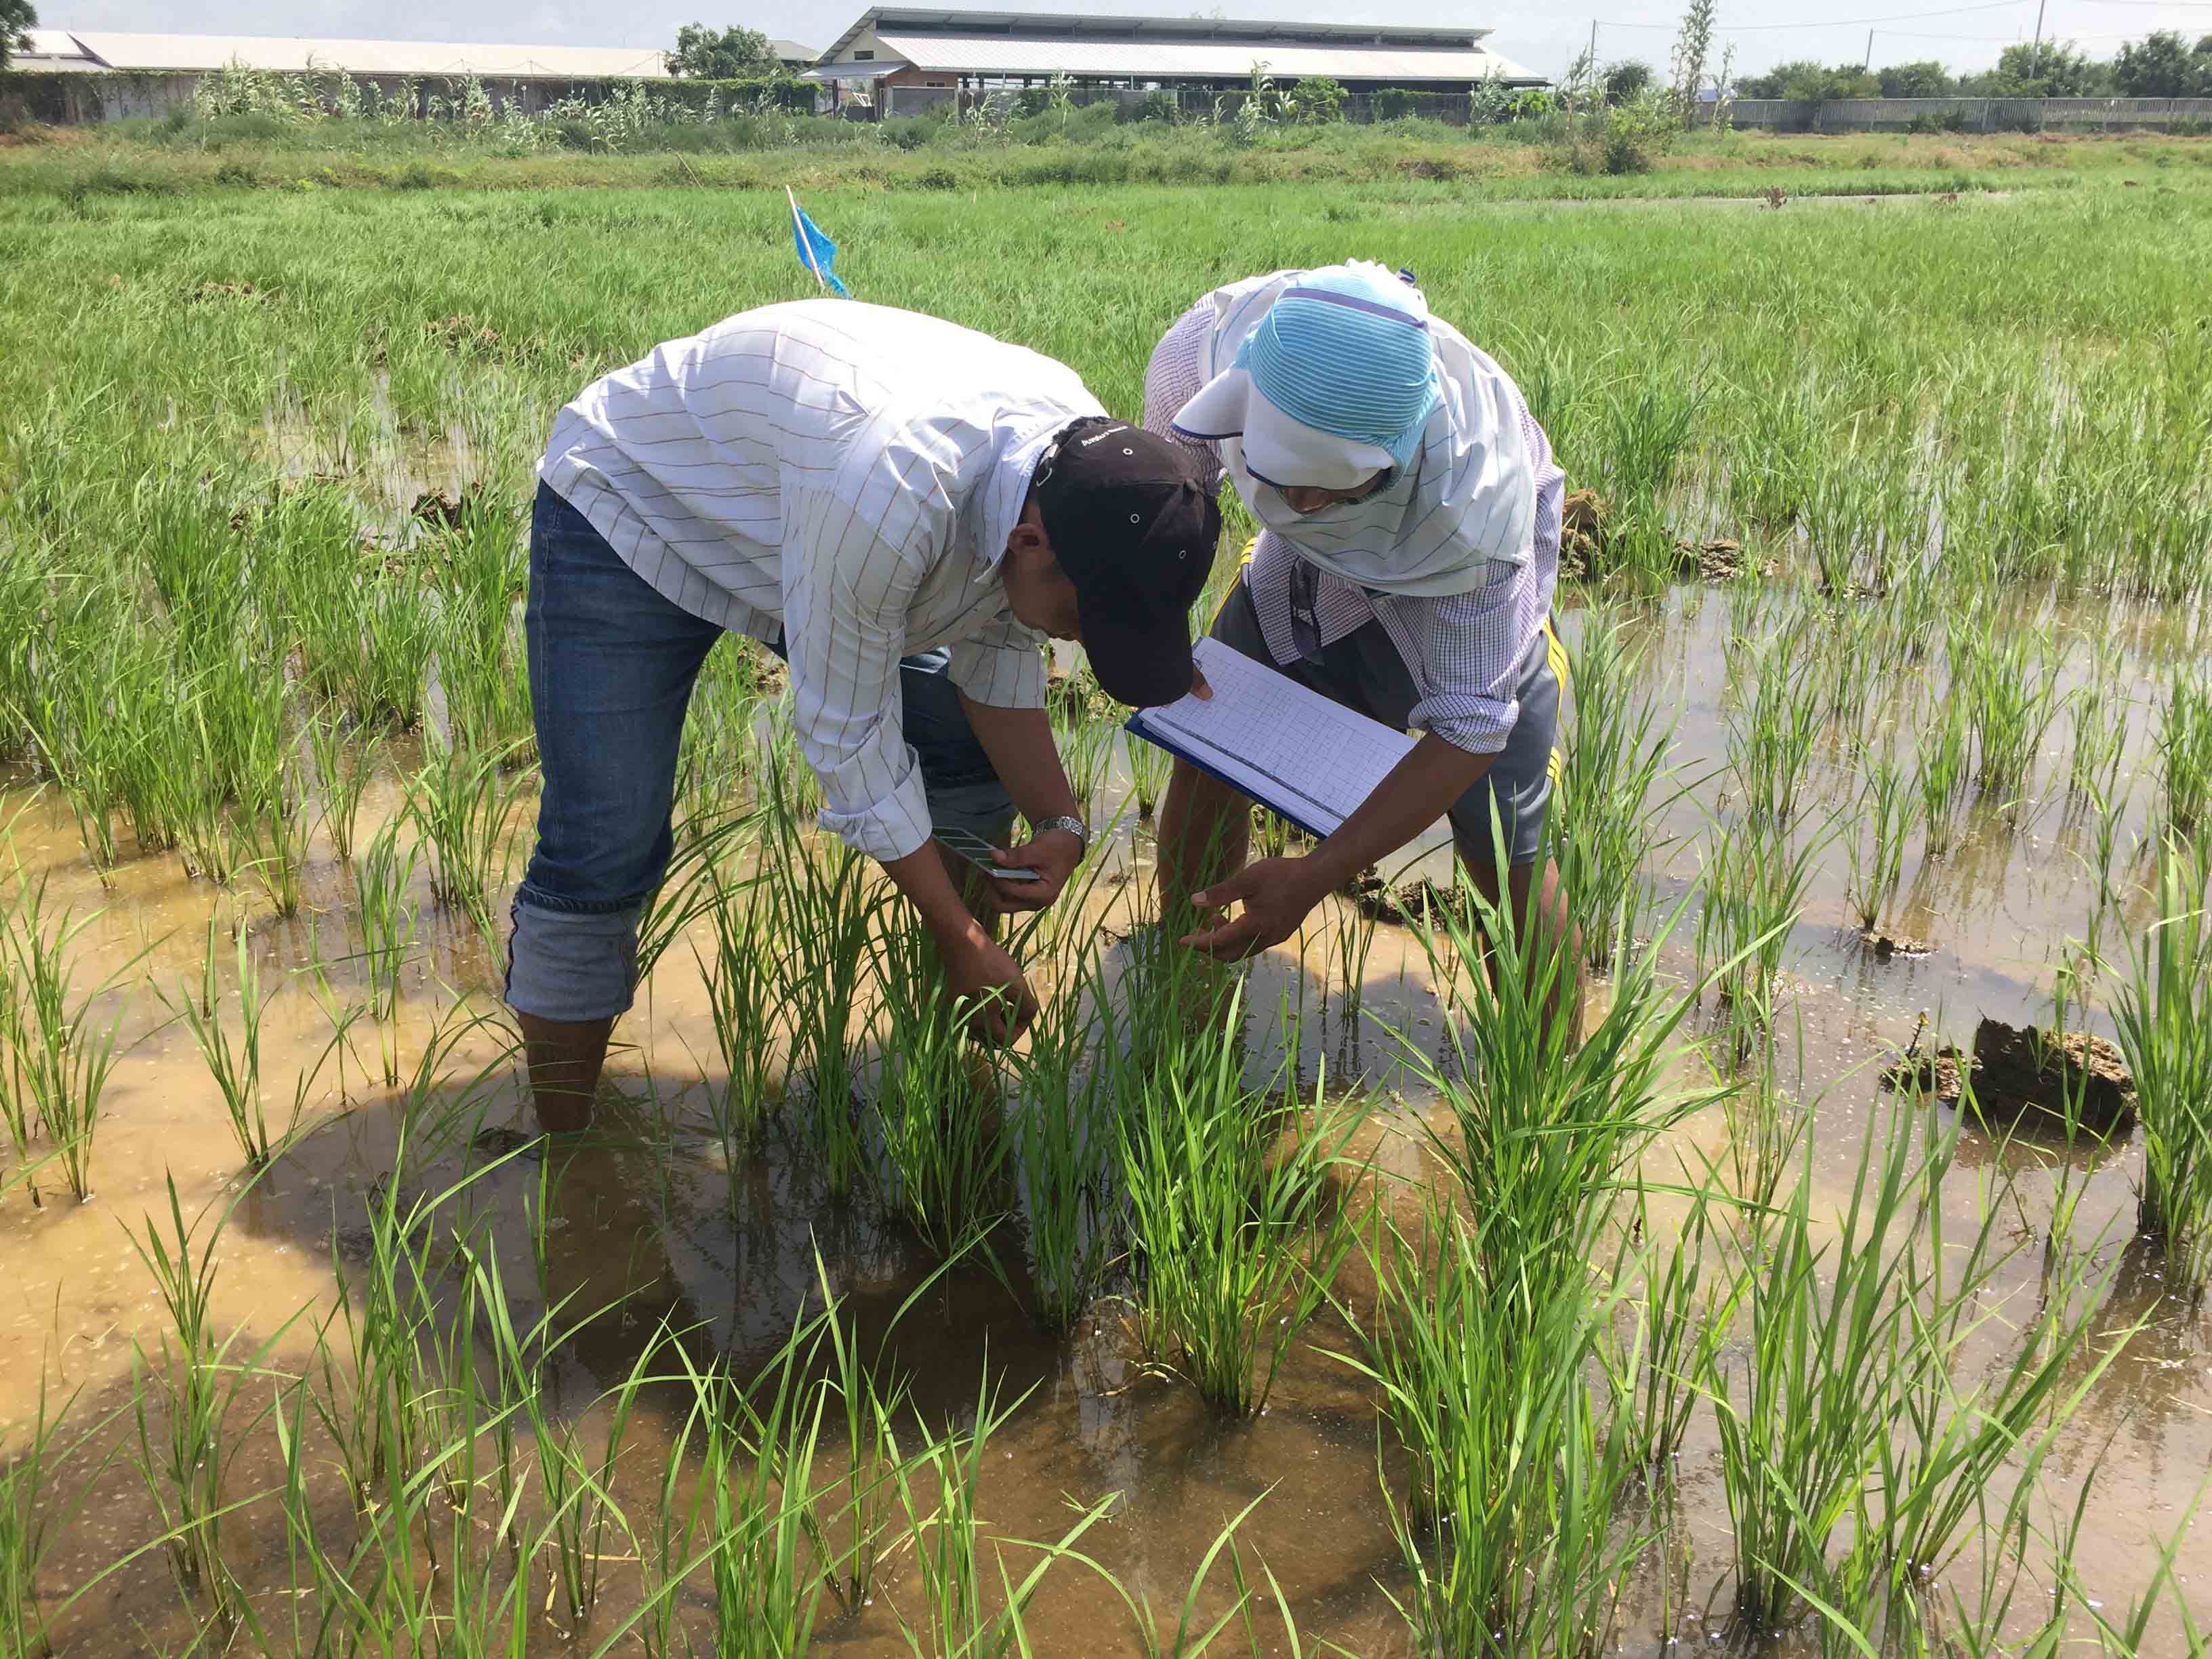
(1421, 903)
(1886, 947)
(2022, 1079)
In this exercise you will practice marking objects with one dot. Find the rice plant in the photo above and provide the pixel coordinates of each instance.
(746, 997)
(822, 902)
(33, 1514)
(344, 760)
(1066, 1148)
(1603, 823)
(200, 1381)
(2163, 1017)
(1938, 771)
(1226, 1280)
(937, 1103)
(236, 1070)
(1877, 859)
(387, 918)
(1772, 735)
(2009, 680)
(1149, 767)
(463, 803)
(61, 1051)
(2185, 753)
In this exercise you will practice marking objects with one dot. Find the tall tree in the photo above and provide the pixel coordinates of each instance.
(16, 17)
(2052, 70)
(704, 54)
(1624, 80)
(1922, 78)
(1692, 46)
(2162, 65)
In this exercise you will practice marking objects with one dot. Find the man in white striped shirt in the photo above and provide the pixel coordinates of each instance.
(902, 508)
(1410, 509)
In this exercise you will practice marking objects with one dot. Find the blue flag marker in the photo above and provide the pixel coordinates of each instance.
(815, 250)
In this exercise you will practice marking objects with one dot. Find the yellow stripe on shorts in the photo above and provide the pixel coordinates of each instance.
(1556, 652)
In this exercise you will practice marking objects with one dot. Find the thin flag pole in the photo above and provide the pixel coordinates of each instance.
(805, 243)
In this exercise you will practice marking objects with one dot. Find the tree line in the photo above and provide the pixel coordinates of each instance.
(2163, 64)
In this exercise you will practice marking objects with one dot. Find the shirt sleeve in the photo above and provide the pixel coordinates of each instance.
(1470, 647)
(846, 591)
(1003, 666)
(1175, 376)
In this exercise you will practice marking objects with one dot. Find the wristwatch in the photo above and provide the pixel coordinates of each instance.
(1075, 827)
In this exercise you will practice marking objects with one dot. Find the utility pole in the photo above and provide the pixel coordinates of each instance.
(1593, 45)
(2035, 52)
(1867, 67)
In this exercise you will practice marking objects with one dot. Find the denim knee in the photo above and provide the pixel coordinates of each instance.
(571, 965)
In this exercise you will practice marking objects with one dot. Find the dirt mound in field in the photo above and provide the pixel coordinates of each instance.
(2022, 1079)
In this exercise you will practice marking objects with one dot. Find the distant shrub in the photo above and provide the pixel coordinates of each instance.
(1947, 120)
(2190, 126)
(1154, 105)
(1318, 99)
(1392, 103)
(237, 173)
(912, 131)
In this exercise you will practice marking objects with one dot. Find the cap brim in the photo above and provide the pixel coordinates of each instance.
(1278, 450)
(1217, 411)
(1291, 454)
(1144, 667)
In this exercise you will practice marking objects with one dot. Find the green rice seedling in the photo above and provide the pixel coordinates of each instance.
(1680, 1323)
(1217, 1218)
(1086, 751)
(1353, 930)
(688, 889)
(853, 1542)
(387, 918)
(1756, 878)
(273, 829)
(1192, 1635)
(2009, 680)
(1939, 769)
(1877, 859)
(1066, 1148)
(463, 803)
(199, 1382)
(1604, 823)
(1771, 738)
(1149, 769)
(1520, 1464)
(937, 1104)
(395, 633)
(757, 1469)
(2163, 1020)
(746, 996)
(821, 900)
(236, 1070)
(61, 1053)
(2185, 752)
(344, 760)
(577, 1481)
(32, 1516)
(2100, 727)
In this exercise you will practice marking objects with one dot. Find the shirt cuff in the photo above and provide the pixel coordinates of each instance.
(1480, 726)
(887, 829)
(998, 675)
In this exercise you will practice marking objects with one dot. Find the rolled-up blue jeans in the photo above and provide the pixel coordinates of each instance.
(611, 667)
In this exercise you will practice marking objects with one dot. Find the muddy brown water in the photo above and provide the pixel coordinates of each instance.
(652, 1214)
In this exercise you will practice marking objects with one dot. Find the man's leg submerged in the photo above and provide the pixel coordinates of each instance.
(611, 667)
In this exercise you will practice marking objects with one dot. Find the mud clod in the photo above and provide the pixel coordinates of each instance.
(2022, 1079)
(1886, 947)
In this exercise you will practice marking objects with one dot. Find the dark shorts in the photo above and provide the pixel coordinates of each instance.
(1364, 671)
(611, 667)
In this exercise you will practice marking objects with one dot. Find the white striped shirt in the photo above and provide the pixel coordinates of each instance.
(1463, 650)
(850, 474)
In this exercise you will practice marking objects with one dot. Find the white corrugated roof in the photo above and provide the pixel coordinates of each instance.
(148, 53)
(49, 43)
(983, 54)
(790, 52)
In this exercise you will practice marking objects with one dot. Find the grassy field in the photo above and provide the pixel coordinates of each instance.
(1336, 1308)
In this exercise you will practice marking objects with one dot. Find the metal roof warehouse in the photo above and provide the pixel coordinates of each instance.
(902, 48)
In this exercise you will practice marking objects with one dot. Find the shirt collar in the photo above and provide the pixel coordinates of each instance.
(1008, 487)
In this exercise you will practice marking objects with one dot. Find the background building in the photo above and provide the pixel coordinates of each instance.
(114, 75)
(923, 57)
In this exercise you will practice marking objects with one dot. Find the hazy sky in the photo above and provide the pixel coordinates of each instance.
(1540, 35)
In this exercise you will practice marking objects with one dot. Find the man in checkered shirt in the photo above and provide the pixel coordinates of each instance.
(1410, 546)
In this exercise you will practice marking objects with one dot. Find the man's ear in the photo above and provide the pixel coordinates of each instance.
(1027, 538)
